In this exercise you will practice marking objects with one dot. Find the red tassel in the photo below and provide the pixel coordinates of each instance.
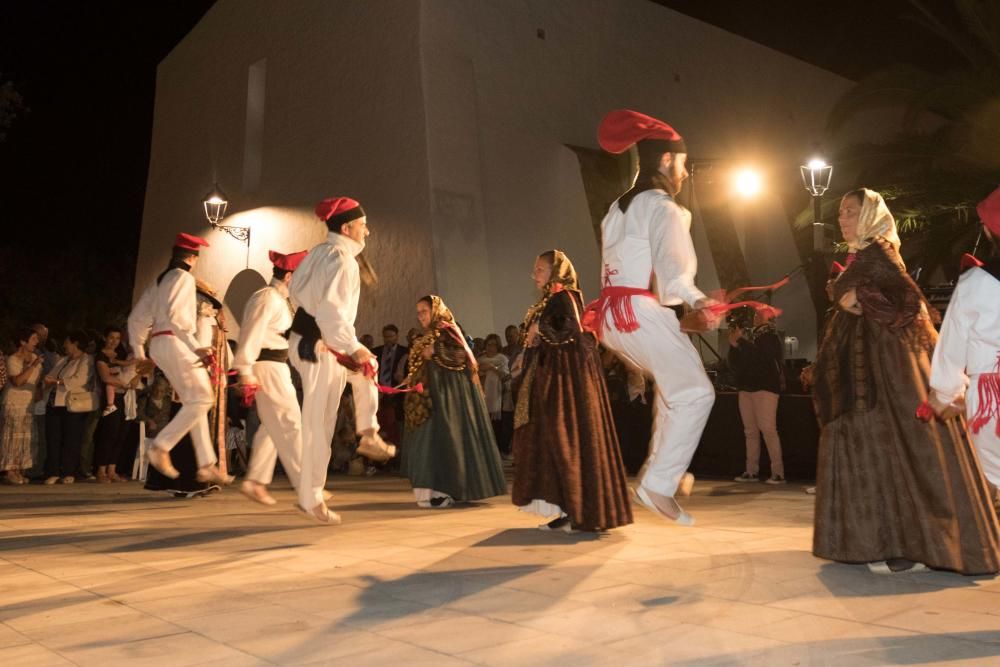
(925, 412)
(989, 400)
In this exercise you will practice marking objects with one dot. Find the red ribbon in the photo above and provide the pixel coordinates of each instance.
(368, 370)
(925, 412)
(989, 400)
(763, 288)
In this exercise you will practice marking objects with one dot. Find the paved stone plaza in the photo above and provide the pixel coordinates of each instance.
(106, 575)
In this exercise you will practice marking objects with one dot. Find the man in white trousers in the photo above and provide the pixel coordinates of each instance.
(262, 364)
(326, 288)
(649, 264)
(166, 316)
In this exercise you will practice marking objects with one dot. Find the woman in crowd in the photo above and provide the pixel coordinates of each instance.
(449, 452)
(755, 357)
(569, 467)
(891, 491)
(70, 400)
(494, 375)
(110, 434)
(24, 370)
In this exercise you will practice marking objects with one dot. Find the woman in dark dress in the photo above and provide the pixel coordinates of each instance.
(569, 467)
(891, 491)
(111, 430)
(449, 451)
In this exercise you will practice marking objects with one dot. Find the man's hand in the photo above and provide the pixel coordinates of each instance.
(206, 356)
(144, 366)
(946, 411)
(363, 355)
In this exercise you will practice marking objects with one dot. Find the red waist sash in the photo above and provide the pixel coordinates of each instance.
(619, 301)
(166, 332)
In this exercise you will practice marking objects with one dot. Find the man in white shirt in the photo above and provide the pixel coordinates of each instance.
(262, 363)
(166, 316)
(649, 264)
(965, 370)
(326, 288)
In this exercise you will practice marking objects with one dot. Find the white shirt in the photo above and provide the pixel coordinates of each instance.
(266, 318)
(169, 306)
(327, 285)
(970, 335)
(650, 247)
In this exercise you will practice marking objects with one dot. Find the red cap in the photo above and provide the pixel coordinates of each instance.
(989, 212)
(836, 269)
(336, 211)
(968, 261)
(622, 128)
(287, 262)
(189, 242)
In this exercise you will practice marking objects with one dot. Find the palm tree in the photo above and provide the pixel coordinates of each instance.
(945, 156)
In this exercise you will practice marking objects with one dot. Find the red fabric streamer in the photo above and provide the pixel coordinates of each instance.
(769, 311)
(989, 400)
(248, 394)
(925, 412)
(763, 288)
(368, 370)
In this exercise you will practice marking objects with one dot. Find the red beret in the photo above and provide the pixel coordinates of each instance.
(336, 211)
(967, 262)
(989, 212)
(189, 242)
(622, 128)
(287, 262)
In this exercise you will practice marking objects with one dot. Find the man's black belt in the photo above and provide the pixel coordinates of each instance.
(267, 354)
(305, 325)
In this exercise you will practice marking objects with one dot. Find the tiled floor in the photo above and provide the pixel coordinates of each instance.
(105, 575)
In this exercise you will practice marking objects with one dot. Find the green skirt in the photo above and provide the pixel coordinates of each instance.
(454, 451)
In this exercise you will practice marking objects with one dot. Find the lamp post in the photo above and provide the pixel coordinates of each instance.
(816, 177)
(216, 202)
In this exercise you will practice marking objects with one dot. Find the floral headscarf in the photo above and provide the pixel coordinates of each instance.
(875, 221)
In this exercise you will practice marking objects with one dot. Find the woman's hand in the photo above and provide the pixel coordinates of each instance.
(532, 335)
(849, 302)
(806, 376)
(735, 335)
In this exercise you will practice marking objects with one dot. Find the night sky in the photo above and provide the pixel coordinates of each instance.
(73, 167)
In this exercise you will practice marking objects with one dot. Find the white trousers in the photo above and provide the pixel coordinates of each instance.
(190, 380)
(365, 402)
(759, 412)
(280, 432)
(684, 395)
(323, 383)
(986, 442)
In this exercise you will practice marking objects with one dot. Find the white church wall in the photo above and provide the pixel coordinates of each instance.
(730, 97)
(341, 116)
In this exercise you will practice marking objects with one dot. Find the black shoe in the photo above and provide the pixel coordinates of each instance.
(561, 523)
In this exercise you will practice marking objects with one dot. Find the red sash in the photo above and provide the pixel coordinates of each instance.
(619, 301)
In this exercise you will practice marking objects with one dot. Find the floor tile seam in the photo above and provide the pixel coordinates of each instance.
(452, 655)
(115, 645)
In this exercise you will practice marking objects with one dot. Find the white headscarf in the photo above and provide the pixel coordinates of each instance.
(875, 221)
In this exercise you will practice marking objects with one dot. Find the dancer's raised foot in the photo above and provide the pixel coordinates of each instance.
(160, 459)
(665, 506)
(372, 446)
(257, 492)
(211, 473)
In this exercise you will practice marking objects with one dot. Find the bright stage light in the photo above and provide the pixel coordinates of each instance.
(816, 164)
(748, 183)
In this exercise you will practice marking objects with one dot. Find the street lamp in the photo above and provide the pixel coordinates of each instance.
(816, 177)
(215, 204)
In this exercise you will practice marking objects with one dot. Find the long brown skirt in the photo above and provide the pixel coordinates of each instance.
(891, 486)
(567, 454)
